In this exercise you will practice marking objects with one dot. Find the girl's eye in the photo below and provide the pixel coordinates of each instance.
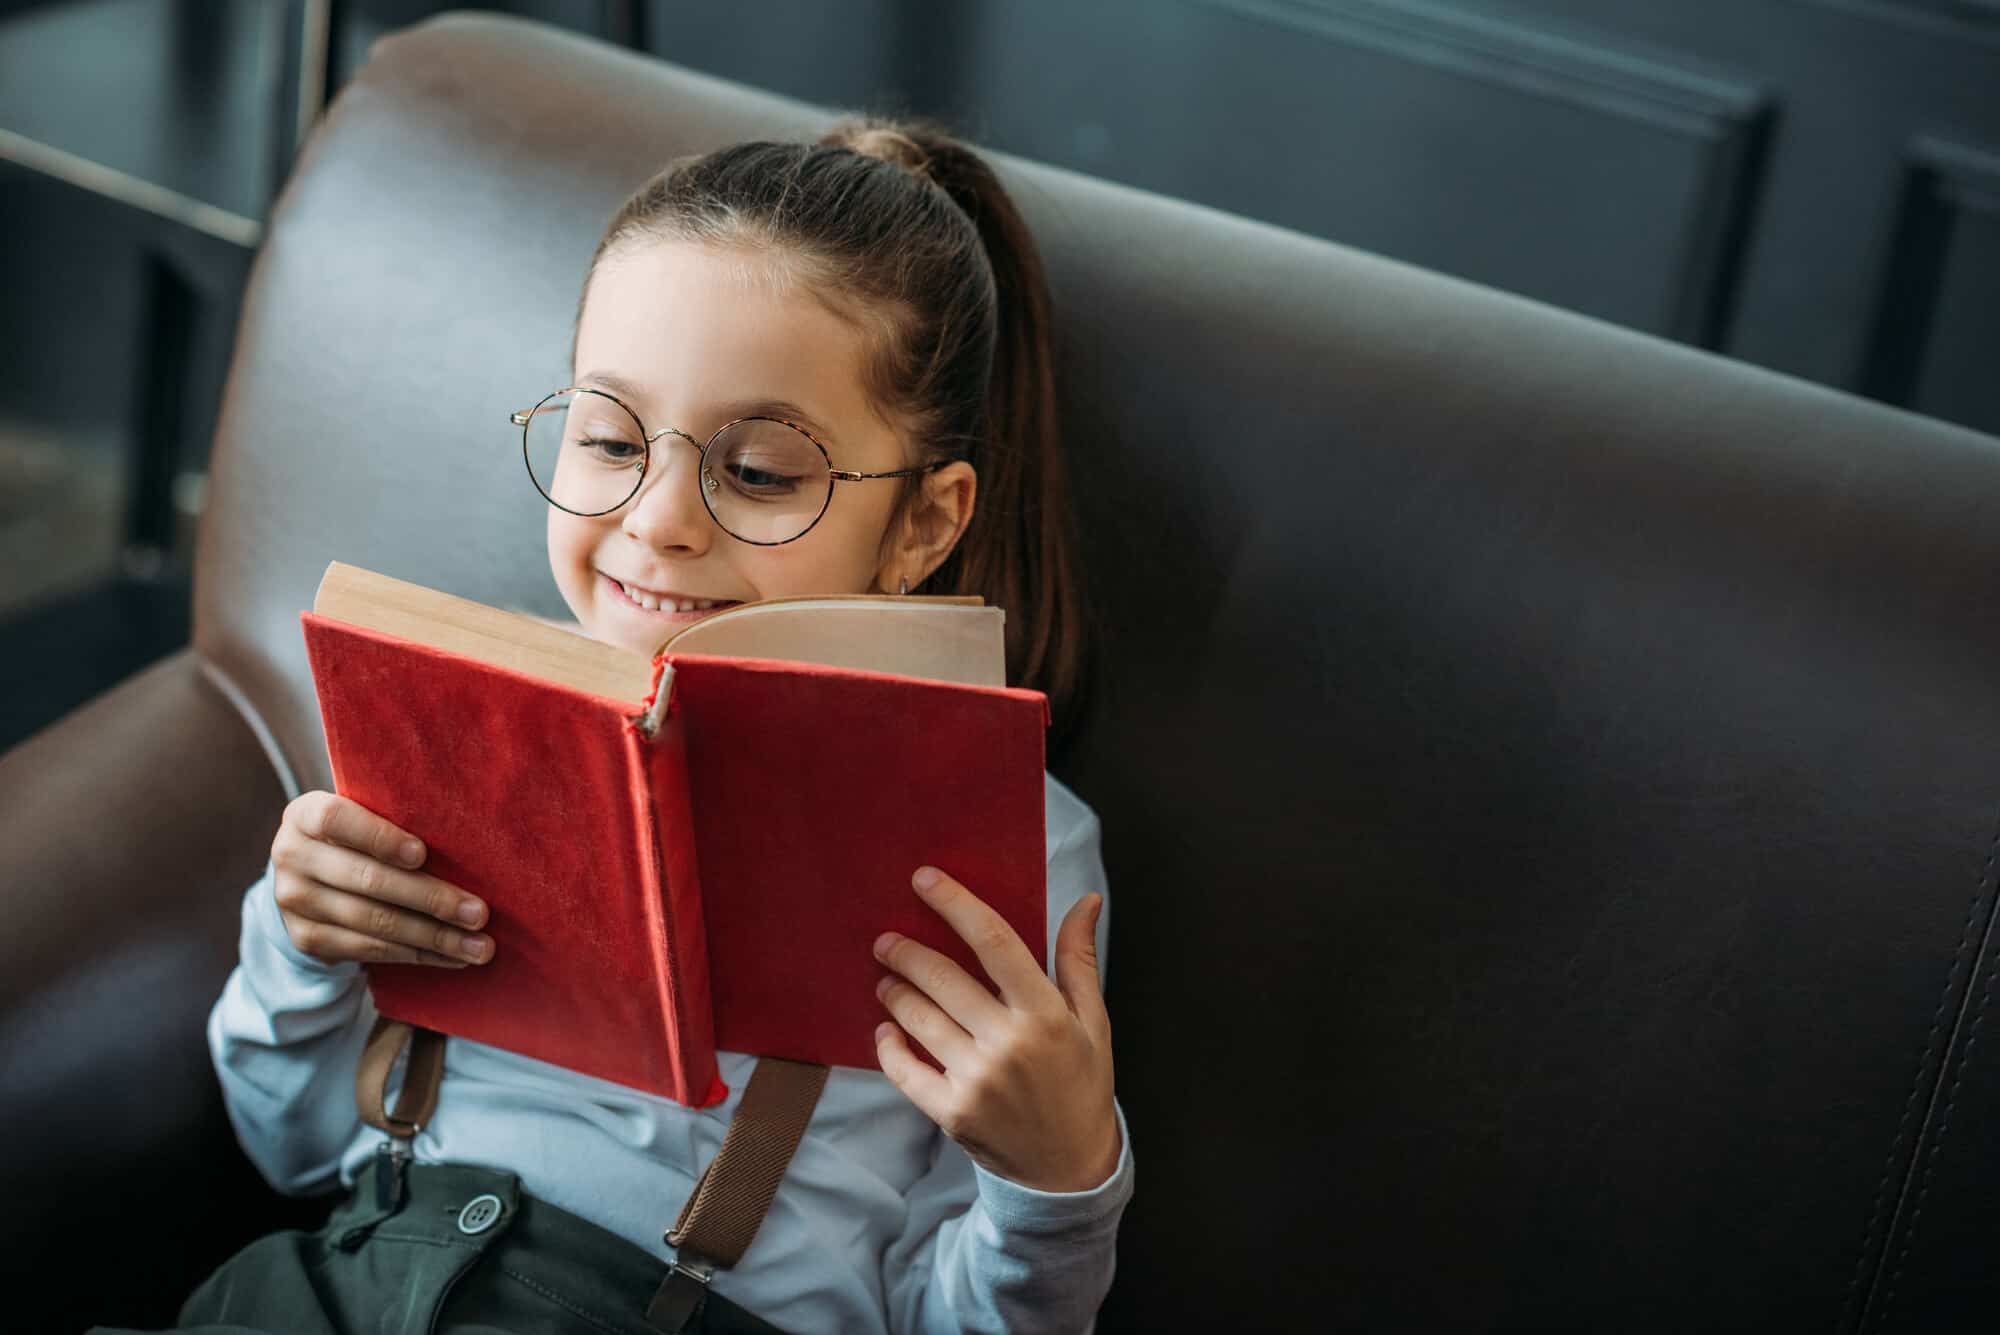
(763, 483)
(612, 451)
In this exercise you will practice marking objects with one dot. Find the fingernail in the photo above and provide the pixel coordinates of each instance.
(413, 852)
(884, 944)
(882, 1031)
(882, 988)
(925, 877)
(469, 911)
(475, 947)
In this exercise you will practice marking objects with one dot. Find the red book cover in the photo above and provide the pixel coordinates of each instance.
(716, 884)
(816, 792)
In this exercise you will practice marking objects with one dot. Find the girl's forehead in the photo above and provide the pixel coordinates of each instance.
(684, 325)
(693, 330)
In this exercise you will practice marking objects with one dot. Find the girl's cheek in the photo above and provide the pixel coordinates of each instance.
(569, 562)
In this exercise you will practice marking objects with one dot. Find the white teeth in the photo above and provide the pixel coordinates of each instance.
(654, 603)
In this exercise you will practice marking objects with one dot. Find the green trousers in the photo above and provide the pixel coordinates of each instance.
(465, 1252)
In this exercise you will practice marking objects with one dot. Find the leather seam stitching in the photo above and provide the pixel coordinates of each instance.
(254, 720)
(1881, 1202)
(1937, 1140)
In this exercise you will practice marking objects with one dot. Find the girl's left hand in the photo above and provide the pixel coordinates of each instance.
(1026, 1085)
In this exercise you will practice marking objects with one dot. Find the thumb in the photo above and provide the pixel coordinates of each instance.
(1076, 963)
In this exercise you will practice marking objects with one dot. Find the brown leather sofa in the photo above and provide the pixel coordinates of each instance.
(1550, 775)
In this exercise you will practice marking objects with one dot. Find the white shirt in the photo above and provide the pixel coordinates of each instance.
(882, 1222)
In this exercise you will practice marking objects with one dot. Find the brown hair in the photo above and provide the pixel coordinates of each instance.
(900, 227)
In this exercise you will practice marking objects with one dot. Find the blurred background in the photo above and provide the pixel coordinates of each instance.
(1809, 185)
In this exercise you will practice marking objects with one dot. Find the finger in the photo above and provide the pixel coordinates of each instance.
(339, 886)
(360, 874)
(961, 996)
(920, 1017)
(1007, 959)
(342, 820)
(325, 941)
(920, 1084)
(316, 901)
(1076, 966)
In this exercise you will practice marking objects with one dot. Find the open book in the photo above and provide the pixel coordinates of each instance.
(694, 850)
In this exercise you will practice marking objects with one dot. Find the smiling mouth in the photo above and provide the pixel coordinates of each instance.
(667, 603)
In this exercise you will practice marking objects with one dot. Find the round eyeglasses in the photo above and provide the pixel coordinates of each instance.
(764, 480)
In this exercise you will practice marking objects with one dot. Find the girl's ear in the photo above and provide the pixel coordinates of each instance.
(931, 527)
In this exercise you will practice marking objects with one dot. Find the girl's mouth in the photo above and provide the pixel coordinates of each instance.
(669, 610)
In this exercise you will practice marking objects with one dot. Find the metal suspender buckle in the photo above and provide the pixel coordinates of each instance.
(392, 1159)
(681, 1293)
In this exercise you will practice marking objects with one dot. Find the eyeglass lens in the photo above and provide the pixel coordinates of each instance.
(764, 481)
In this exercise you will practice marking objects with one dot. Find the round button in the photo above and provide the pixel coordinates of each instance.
(480, 1213)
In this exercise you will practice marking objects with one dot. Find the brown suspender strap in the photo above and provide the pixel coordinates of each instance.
(726, 1207)
(728, 1204)
(418, 1098)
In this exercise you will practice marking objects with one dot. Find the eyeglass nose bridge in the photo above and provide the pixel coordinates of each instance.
(673, 431)
(708, 481)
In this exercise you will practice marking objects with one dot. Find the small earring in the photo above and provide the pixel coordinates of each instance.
(906, 586)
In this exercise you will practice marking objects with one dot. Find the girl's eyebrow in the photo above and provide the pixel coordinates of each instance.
(735, 408)
(617, 384)
(784, 408)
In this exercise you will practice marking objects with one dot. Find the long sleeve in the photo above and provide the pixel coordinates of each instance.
(285, 1036)
(981, 1253)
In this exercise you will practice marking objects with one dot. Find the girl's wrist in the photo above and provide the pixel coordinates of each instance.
(1017, 1207)
(1088, 1173)
(1105, 1165)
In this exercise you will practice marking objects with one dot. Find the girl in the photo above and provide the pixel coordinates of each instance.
(874, 303)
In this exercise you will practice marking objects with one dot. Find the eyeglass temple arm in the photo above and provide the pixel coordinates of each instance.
(844, 475)
(521, 418)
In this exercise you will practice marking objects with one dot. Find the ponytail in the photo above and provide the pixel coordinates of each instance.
(1020, 551)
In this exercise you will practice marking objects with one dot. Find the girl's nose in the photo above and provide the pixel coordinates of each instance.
(668, 512)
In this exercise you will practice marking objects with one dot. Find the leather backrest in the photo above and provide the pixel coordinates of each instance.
(1548, 774)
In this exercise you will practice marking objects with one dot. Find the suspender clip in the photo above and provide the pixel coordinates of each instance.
(681, 1293)
(392, 1157)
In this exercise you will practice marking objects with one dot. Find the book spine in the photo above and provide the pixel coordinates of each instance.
(657, 757)
(654, 707)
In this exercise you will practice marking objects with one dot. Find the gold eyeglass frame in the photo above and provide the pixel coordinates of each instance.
(709, 483)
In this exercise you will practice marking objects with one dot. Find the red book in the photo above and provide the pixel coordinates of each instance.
(693, 851)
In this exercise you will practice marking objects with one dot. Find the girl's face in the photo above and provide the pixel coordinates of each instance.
(693, 337)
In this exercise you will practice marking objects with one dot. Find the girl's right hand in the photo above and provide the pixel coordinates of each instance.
(348, 890)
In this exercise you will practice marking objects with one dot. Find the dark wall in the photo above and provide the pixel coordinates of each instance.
(1810, 185)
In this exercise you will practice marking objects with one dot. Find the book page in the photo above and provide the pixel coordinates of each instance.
(512, 640)
(952, 639)
(941, 642)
